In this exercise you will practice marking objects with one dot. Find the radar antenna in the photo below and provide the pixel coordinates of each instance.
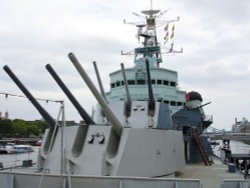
(146, 28)
(151, 4)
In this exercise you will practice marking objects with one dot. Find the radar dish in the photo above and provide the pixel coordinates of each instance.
(150, 12)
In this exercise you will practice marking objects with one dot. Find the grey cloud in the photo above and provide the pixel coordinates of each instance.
(214, 35)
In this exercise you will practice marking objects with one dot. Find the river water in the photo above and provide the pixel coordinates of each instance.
(11, 160)
(237, 147)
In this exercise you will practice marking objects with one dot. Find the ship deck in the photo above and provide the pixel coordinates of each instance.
(210, 176)
(192, 176)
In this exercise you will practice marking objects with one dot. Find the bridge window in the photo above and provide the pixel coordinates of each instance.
(165, 82)
(140, 82)
(143, 82)
(172, 84)
(159, 82)
(131, 82)
(179, 103)
(167, 102)
(172, 103)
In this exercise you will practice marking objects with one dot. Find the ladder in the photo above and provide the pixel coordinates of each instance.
(200, 147)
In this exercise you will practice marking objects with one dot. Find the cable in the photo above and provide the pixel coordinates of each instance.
(21, 96)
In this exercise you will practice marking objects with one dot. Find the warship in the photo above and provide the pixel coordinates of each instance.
(144, 132)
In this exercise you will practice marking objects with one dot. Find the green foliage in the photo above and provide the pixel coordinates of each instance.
(41, 124)
(22, 128)
(6, 128)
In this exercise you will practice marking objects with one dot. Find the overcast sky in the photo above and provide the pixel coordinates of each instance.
(214, 34)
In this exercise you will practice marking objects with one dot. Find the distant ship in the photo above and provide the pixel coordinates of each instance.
(12, 148)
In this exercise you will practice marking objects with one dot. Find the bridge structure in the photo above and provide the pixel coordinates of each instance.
(221, 134)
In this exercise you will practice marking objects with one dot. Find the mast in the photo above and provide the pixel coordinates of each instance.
(151, 49)
(147, 30)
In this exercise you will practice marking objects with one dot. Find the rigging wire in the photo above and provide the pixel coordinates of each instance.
(21, 96)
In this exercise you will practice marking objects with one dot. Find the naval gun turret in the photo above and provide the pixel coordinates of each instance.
(193, 121)
(192, 115)
(125, 134)
(111, 149)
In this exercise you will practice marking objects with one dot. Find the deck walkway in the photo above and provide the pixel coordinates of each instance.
(210, 176)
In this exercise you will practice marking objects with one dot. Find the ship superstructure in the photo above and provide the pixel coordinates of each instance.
(164, 81)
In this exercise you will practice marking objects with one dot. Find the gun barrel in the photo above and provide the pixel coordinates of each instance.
(99, 81)
(88, 120)
(117, 126)
(40, 109)
(128, 100)
(100, 85)
(151, 102)
(205, 104)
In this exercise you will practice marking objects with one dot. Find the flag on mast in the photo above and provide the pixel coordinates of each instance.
(166, 38)
(166, 27)
(173, 28)
(167, 34)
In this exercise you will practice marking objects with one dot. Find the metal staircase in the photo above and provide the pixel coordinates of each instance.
(200, 147)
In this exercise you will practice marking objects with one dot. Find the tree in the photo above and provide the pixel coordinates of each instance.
(20, 127)
(6, 128)
(42, 125)
(32, 129)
